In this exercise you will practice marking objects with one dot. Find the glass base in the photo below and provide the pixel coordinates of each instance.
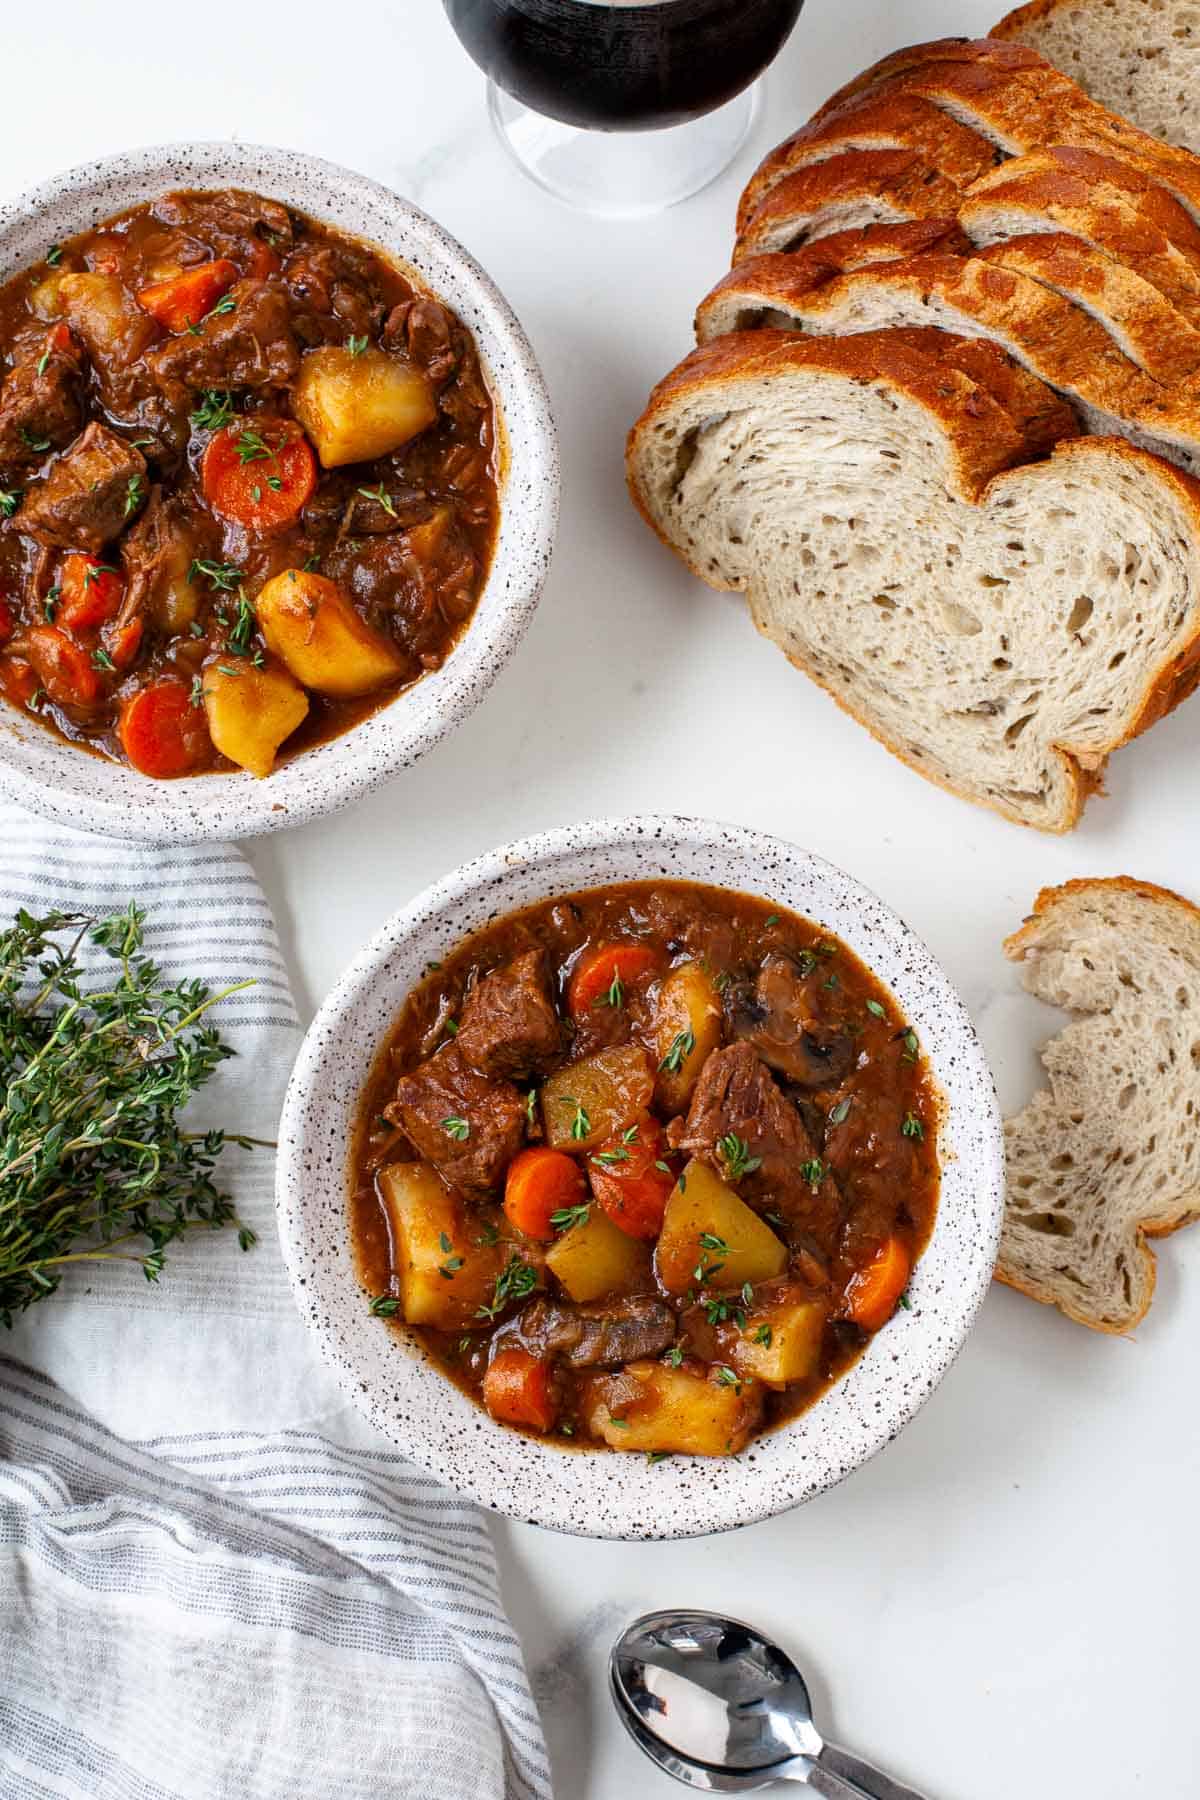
(623, 174)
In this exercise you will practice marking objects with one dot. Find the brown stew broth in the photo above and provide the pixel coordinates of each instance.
(874, 1128)
(311, 287)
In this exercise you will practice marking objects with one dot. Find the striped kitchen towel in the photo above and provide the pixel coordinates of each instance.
(215, 1582)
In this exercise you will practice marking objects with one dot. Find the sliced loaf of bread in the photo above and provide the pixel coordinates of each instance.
(1137, 57)
(1108, 1154)
(1001, 628)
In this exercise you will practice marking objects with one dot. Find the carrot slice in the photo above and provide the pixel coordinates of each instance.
(183, 300)
(260, 473)
(67, 673)
(632, 1181)
(161, 732)
(518, 1389)
(873, 1292)
(539, 1183)
(602, 974)
(90, 593)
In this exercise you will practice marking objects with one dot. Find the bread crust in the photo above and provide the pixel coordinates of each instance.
(900, 180)
(1016, 947)
(989, 52)
(798, 271)
(1152, 332)
(903, 121)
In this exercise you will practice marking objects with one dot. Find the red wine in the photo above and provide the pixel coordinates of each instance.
(624, 65)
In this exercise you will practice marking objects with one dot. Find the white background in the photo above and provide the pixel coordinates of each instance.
(1003, 1603)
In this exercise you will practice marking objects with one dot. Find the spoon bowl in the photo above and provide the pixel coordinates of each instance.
(723, 1709)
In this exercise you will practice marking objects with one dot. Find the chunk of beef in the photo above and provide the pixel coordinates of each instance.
(40, 408)
(468, 1127)
(425, 331)
(689, 925)
(332, 294)
(91, 492)
(403, 587)
(250, 345)
(783, 1020)
(156, 553)
(227, 220)
(610, 1331)
(737, 1096)
(509, 1025)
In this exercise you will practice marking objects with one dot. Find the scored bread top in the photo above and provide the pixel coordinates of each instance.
(1143, 323)
(1108, 1154)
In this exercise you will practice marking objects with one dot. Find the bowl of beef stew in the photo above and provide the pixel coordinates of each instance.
(642, 1178)
(261, 422)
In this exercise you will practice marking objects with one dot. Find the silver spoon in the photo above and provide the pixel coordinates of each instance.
(722, 1709)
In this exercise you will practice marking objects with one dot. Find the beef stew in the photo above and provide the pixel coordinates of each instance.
(248, 484)
(646, 1167)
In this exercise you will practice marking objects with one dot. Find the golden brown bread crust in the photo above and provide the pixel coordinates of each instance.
(900, 120)
(1155, 334)
(1016, 946)
(978, 426)
(988, 52)
(777, 282)
(1072, 175)
(902, 181)
(797, 271)
(1013, 23)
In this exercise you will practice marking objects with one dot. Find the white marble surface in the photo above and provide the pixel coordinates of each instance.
(1001, 1604)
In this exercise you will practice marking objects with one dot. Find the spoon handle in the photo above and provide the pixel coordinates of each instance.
(840, 1775)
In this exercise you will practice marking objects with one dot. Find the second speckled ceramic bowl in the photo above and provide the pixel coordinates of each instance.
(385, 1372)
(64, 783)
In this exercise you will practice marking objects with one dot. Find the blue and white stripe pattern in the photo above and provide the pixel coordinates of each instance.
(215, 1583)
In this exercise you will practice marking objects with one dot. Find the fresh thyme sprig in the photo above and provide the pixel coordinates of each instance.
(94, 1165)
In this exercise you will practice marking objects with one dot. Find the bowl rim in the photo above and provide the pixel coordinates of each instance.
(98, 796)
(485, 1481)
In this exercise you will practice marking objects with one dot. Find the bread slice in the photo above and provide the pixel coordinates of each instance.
(845, 192)
(1137, 57)
(737, 295)
(899, 122)
(1144, 324)
(1109, 1154)
(1052, 337)
(1001, 628)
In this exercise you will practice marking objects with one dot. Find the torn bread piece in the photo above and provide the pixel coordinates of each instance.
(1108, 1154)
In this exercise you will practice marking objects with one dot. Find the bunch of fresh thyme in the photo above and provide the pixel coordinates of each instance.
(93, 1163)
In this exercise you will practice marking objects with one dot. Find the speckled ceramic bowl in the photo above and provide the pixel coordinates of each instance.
(606, 1494)
(56, 779)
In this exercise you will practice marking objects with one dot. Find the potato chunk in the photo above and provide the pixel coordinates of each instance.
(355, 408)
(251, 711)
(782, 1341)
(431, 1231)
(650, 1406)
(101, 312)
(309, 623)
(591, 1099)
(707, 1226)
(595, 1259)
(687, 1029)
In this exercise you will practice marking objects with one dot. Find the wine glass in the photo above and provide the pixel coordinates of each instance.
(623, 107)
